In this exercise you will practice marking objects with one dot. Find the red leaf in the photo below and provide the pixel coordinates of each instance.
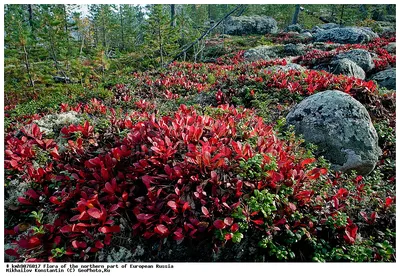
(219, 224)
(258, 221)
(205, 211)
(388, 202)
(161, 230)
(54, 200)
(186, 206)
(235, 227)
(113, 208)
(14, 163)
(98, 244)
(144, 218)
(24, 201)
(228, 236)
(12, 252)
(280, 222)
(112, 229)
(292, 206)
(34, 241)
(108, 188)
(66, 229)
(94, 212)
(306, 162)
(173, 205)
(32, 194)
(228, 221)
(104, 174)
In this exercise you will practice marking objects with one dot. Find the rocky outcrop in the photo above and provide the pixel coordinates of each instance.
(245, 25)
(345, 35)
(294, 49)
(386, 78)
(359, 56)
(341, 128)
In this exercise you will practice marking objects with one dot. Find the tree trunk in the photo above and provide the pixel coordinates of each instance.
(104, 28)
(295, 18)
(26, 60)
(30, 10)
(173, 12)
(341, 16)
(67, 35)
(122, 28)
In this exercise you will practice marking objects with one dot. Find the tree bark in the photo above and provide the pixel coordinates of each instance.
(30, 10)
(26, 60)
(295, 18)
(173, 12)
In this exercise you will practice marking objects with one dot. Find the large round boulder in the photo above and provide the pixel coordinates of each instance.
(386, 78)
(341, 128)
(244, 25)
(359, 56)
(345, 35)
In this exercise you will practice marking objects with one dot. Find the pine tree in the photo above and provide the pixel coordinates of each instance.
(161, 39)
(17, 41)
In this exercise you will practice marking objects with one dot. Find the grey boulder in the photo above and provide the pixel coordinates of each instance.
(294, 28)
(294, 49)
(343, 67)
(345, 35)
(386, 78)
(359, 56)
(244, 25)
(341, 128)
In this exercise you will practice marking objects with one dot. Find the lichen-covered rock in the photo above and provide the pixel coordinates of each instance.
(343, 67)
(386, 78)
(245, 25)
(305, 35)
(294, 28)
(286, 68)
(294, 49)
(262, 52)
(345, 35)
(341, 128)
(359, 56)
(391, 47)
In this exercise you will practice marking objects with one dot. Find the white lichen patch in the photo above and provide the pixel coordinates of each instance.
(122, 255)
(52, 123)
(14, 189)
